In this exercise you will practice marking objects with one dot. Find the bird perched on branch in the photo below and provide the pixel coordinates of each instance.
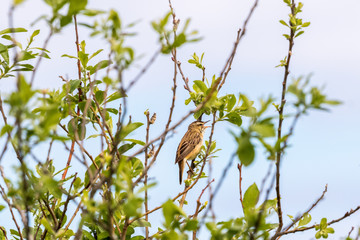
(190, 145)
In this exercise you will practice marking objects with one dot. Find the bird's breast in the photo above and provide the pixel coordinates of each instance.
(195, 152)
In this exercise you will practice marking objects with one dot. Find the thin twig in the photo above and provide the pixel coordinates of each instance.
(4, 232)
(239, 166)
(281, 118)
(352, 229)
(66, 204)
(51, 211)
(3, 194)
(240, 34)
(80, 99)
(198, 204)
(146, 176)
(218, 186)
(297, 219)
(41, 56)
(347, 214)
(49, 151)
(143, 70)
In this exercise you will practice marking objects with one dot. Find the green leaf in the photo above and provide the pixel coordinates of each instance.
(99, 65)
(103, 235)
(305, 219)
(231, 101)
(201, 85)
(126, 147)
(52, 186)
(251, 197)
(234, 118)
(65, 20)
(187, 101)
(4, 53)
(75, 125)
(264, 130)
(332, 102)
(35, 33)
(12, 30)
(87, 235)
(26, 55)
(286, 36)
(74, 84)
(76, 6)
(47, 225)
(299, 33)
(112, 110)
(306, 24)
(69, 56)
(284, 23)
(114, 96)
(95, 53)
(126, 130)
(84, 58)
(323, 223)
(245, 151)
(132, 205)
(93, 136)
(170, 211)
(137, 238)
(135, 141)
(100, 96)
(14, 232)
(191, 225)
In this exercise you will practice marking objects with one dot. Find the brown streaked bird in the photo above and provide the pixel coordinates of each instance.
(190, 145)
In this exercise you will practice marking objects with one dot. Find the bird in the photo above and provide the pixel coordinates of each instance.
(190, 145)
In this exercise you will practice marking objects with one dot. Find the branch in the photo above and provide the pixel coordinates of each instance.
(239, 166)
(218, 186)
(66, 204)
(3, 194)
(41, 56)
(80, 99)
(198, 204)
(143, 70)
(240, 34)
(281, 118)
(347, 214)
(146, 176)
(297, 219)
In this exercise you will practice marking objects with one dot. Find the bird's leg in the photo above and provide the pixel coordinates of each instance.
(191, 167)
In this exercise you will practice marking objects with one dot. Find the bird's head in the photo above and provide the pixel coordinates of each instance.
(198, 125)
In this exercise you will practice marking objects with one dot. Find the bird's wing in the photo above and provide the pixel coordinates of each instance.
(185, 147)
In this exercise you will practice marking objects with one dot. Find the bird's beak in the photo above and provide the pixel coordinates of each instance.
(206, 122)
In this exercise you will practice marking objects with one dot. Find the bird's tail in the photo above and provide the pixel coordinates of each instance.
(181, 170)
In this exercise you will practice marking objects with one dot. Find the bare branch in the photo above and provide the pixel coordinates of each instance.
(297, 219)
(198, 204)
(281, 118)
(239, 166)
(347, 214)
(240, 34)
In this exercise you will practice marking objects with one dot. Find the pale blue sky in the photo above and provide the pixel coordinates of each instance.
(325, 148)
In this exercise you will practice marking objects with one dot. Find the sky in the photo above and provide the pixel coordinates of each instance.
(324, 149)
